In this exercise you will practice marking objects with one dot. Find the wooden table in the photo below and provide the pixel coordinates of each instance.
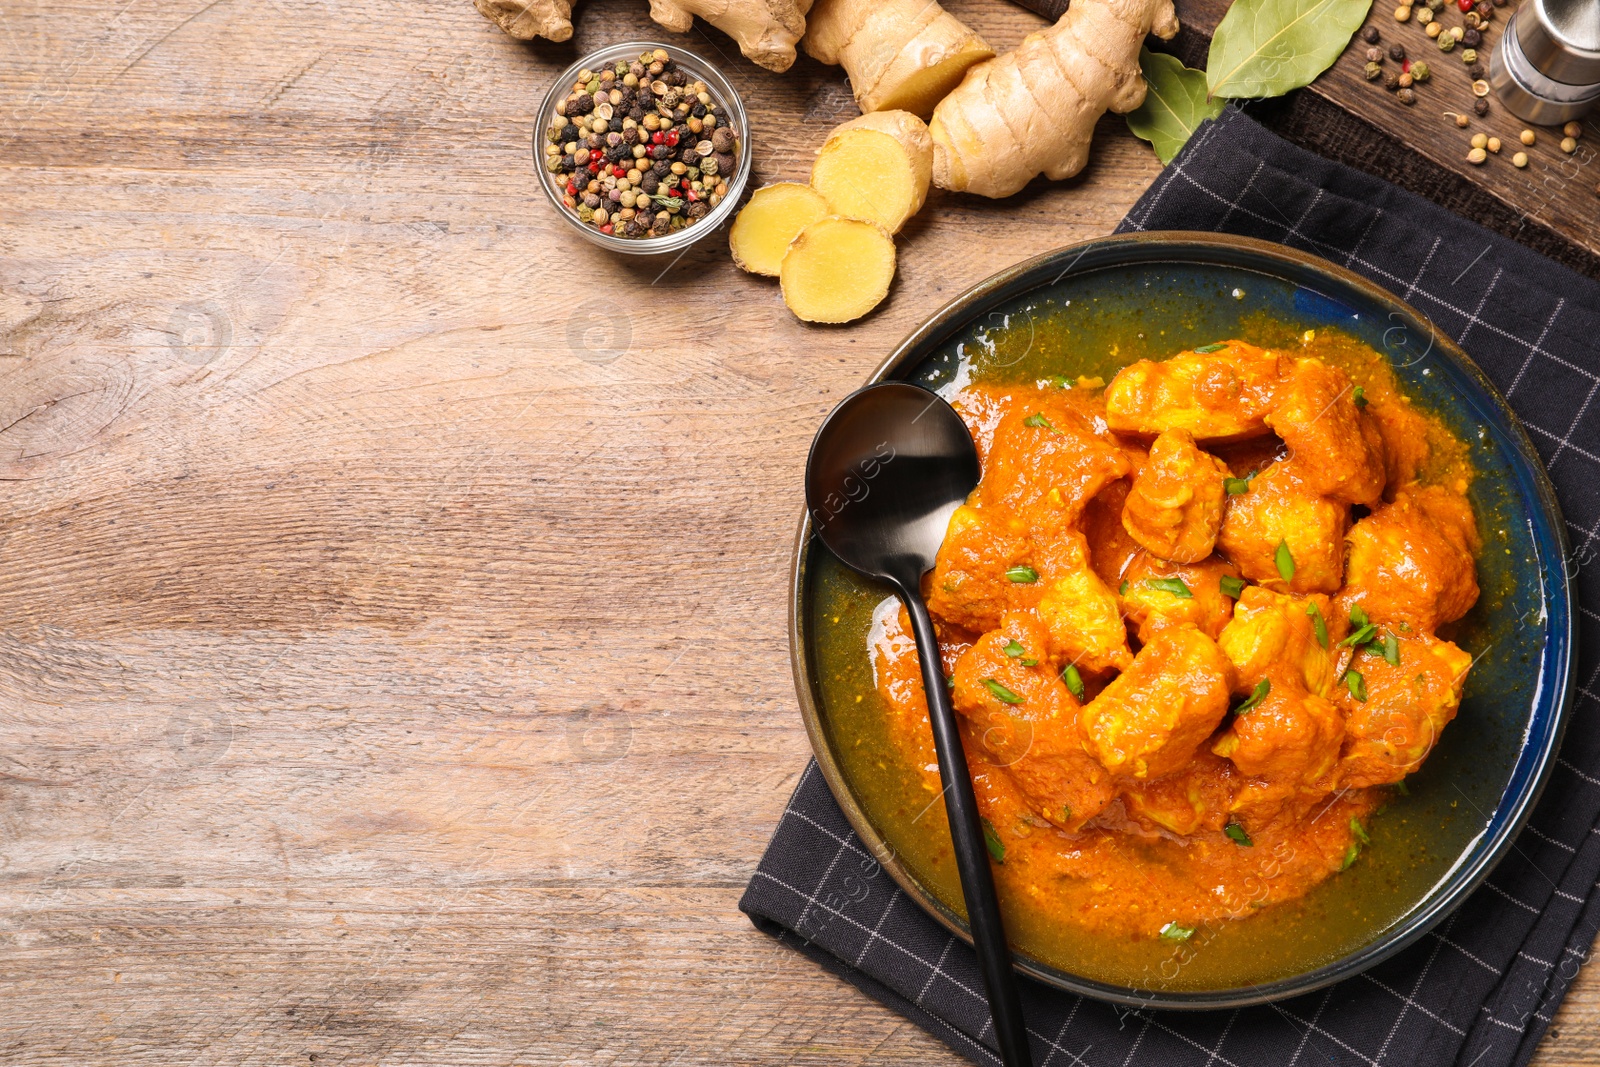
(392, 660)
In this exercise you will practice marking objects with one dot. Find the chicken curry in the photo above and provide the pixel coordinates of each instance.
(1196, 625)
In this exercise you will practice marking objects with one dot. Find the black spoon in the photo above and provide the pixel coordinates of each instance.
(886, 471)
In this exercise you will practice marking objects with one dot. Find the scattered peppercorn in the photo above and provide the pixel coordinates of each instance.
(1434, 29)
(1471, 38)
(1462, 121)
(1476, 72)
(1569, 145)
(1480, 107)
(1519, 160)
(1370, 34)
(1470, 58)
(1374, 72)
(1527, 137)
(1494, 146)
(1374, 55)
(1419, 72)
(1397, 52)
(1391, 81)
(1447, 43)
(1573, 129)
(1406, 96)
(1406, 79)
(1402, 13)
(1480, 88)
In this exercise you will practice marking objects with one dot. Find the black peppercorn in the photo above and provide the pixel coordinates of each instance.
(580, 104)
(1391, 81)
(1370, 34)
(660, 151)
(661, 169)
(1397, 52)
(1475, 71)
(615, 125)
(1471, 38)
(1406, 96)
(1481, 106)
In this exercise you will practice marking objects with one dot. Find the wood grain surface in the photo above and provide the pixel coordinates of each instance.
(392, 586)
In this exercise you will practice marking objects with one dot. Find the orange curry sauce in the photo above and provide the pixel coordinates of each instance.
(1190, 624)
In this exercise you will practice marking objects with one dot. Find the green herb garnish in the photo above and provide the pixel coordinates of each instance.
(1236, 833)
(1356, 684)
(1317, 624)
(1404, 790)
(1028, 661)
(1350, 855)
(1174, 932)
(1066, 813)
(949, 681)
(1235, 486)
(1257, 695)
(1285, 561)
(1231, 586)
(1013, 648)
(991, 838)
(1175, 586)
(1360, 832)
(1207, 349)
(1358, 616)
(1022, 574)
(1391, 650)
(1001, 693)
(1038, 421)
(1122, 590)
(1360, 397)
(1060, 381)
(1073, 680)
(671, 203)
(1360, 637)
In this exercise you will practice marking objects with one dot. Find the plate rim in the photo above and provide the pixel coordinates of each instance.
(1190, 247)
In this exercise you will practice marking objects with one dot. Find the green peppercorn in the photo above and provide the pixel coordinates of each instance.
(1420, 72)
(1374, 72)
(1447, 42)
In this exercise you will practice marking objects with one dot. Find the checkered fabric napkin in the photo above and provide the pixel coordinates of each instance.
(1479, 991)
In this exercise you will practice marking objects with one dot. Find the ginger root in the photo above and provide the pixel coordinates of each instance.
(876, 167)
(527, 19)
(1032, 111)
(900, 55)
(765, 30)
(837, 269)
(774, 216)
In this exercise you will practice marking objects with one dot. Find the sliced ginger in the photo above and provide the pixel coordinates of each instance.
(774, 216)
(903, 55)
(837, 269)
(876, 167)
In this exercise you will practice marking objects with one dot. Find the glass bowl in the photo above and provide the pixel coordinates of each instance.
(720, 88)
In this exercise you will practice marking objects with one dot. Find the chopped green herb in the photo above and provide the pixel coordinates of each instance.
(949, 681)
(1022, 574)
(991, 838)
(1174, 932)
(1231, 586)
(671, 203)
(1360, 396)
(1235, 486)
(1174, 586)
(1405, 790)
(1317, 624)
(1000, 692)
(1405, 627)
(1038, 421)
(1350, 855)
(1206, 349)
(1391, 649)
(1122, 590)
(1028, 661)
(1285, 561)
(1358, 617)
(1013, 648)
(1236, 834)
(1060, 381)
(1066, 813)
(1257, 695)
(1074, 680)
(1360, 832)
(1360, 637)
(1356, 684)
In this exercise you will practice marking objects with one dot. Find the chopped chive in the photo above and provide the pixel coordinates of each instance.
(1391, 650)
(1028, 661)
(1358, 616)
(1356, 684)
(1060, 381)
(1013, 648)
(1022, 574)
(1350, 855)
(1317, 624)
(1066, 813)
(949, 681)
(1231, 586)
(1360, 832)
(1360, 396)
(1257, 695)
(1285, 561)
(1360, 637)
(1038, 421)
(1122, 590)
(1174, 932)
(1074, 680)
(1175, 586)
(1404, 790)
(991, 838)
(1000, 692)
(1236, 833)
(1235, 486)
(1207, 349)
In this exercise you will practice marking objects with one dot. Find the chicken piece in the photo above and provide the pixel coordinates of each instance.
(1027, 722)
(1150, 720)
(1412, 561)
(1275, 636)
(968, 586)
(1216, 396)
(1078, 610)
(1195, 798)
(1111, 550)
(1152, 600)
(1291, 739)
(1175, 507)
(1390, 733)
(1280, 510)
(1048, 458)
(1337, 448)
(1407, 440)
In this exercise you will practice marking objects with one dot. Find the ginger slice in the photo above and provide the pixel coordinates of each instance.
(901, 55)
(772, 218)
(837, 270)
(527, 19)
(876, 167)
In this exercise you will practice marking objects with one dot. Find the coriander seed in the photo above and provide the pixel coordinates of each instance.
(1569, 145)
(1477, 156)
(1519, 160)
(1480, 89)
(1433, 29)
(1573, 129)
(1480, 140)
(1494, 146)
(1527, 137)
(1462, 121)
(1402, 13)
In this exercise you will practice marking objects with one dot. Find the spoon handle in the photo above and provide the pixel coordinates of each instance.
(972, 853)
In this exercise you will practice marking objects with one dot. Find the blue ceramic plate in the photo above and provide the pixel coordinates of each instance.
(1156, 294)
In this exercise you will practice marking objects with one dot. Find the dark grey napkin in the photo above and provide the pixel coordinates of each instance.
(1479, 991)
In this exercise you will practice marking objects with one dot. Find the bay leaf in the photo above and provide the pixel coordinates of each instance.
(1174, 106)
(1265, 48)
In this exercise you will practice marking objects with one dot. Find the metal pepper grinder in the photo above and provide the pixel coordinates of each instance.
(1546, 68)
